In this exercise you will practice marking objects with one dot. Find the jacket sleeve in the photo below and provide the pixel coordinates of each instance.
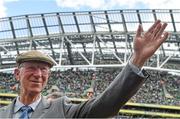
(124, 86)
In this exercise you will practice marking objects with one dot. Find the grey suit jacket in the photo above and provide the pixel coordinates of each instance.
(124, 86)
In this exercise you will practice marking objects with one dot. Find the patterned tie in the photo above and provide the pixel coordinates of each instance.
(25, 110)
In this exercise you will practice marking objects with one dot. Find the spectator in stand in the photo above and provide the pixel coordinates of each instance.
(33, 71)
(90, 93)
(54, 95)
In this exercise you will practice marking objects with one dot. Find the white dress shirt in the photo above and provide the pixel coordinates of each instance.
(19, 104)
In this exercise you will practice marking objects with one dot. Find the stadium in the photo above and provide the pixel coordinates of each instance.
(90, 49)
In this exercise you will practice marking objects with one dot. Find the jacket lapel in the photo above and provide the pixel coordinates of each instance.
(42, 107)
(8, 110)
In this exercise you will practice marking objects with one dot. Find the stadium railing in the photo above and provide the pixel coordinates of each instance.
(123, 111)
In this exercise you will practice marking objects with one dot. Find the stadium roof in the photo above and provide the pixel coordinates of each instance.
(87, 38)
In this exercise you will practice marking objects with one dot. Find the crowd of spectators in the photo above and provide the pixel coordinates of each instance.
(75, 83)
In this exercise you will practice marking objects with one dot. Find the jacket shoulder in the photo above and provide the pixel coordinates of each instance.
(3, 109)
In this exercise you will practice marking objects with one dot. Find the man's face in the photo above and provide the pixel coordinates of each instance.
(90, 94)
(33, 76)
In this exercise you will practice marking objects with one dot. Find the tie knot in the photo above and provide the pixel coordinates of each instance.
(26, 109)
(25, 112)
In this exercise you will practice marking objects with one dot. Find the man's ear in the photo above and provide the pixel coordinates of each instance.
(16, 74)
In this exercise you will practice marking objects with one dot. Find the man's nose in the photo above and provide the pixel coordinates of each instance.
(38, 72)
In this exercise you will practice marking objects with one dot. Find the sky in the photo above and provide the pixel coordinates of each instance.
(21, 7)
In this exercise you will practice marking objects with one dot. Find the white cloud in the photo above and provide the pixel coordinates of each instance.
(95, 4)
(114, 4)
(162, 4)
(3, 7)
(11, 0)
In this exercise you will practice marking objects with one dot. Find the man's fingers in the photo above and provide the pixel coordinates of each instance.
(139, 31)
(150, 30)
(165, 36)
(160, 31)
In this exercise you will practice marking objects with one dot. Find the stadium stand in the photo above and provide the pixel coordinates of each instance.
(90, 48)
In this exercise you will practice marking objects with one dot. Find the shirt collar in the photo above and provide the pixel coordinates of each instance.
(19, 104)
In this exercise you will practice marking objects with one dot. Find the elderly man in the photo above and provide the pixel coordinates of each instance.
(33, 71)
